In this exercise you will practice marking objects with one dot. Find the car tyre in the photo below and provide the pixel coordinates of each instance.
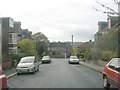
(18, 73)
(34, 71)
(38, 68)
(106, 85)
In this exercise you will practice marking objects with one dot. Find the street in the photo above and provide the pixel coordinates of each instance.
(58, 74)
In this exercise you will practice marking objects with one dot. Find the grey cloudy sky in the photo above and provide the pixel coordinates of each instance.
(57, 19)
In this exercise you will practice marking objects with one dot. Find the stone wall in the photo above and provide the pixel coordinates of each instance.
(6, 64)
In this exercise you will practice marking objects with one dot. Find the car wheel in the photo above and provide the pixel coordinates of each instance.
(106, 85)
(38, 68)
(18, 73)
(7, 88)
(34, 71)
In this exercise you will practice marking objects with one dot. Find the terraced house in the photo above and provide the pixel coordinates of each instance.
(60, 49)
(11, 34)
(105, 26)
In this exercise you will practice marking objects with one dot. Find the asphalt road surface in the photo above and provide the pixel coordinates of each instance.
(58, 74)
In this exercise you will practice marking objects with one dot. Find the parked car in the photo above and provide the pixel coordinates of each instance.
(73, 59)
(111, 74)
(3, 80)
(46, 59)
(28, 64)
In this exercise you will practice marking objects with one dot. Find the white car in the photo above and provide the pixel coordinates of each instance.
(73, 59)
(28, 64)
(46, 59)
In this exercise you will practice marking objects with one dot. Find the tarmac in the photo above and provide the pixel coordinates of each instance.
(12, 72)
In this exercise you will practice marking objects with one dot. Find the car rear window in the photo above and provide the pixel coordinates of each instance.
(113, 64)
(118, 67)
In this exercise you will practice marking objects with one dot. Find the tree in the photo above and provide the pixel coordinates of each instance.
(107, 46)
(41, 48)
(109, 10)
(41, 42)
(27, 47)
(75, 51)
(87, 54)
(40, 37)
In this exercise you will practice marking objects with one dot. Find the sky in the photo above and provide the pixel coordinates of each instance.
(57, 19)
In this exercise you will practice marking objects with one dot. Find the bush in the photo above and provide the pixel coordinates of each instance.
(82, 55)
(16, 57)
(107, 55)
(78, 55)
(87, 55)
(96, 53)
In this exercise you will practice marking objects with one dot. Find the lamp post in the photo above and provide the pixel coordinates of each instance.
(72, 44)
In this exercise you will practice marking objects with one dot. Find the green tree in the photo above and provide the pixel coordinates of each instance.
(41, 42)
(87, 54)
(75, 51)
(107, 46)
(27, 47)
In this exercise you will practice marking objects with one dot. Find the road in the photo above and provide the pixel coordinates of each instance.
(58, 74)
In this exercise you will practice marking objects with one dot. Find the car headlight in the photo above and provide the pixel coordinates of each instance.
(31, 66)
(18, 66)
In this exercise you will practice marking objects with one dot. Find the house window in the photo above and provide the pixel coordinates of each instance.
(11, 22)
(10, 38)
(13, 50)
(13, 38)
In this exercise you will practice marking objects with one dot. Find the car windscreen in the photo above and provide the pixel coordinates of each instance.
(73, 57)
(27, 60)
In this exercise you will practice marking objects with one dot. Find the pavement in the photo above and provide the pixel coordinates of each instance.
(93, 66)
(12, 71)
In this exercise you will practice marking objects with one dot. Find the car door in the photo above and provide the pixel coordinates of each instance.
(117, 75)
(111, 71)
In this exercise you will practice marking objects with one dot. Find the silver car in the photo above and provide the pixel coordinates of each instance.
(28, 64)
(46, 59)
(73, 59)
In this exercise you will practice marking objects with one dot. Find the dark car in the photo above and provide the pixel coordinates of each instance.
(111, 74)
(46, 59)
(3, 80)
